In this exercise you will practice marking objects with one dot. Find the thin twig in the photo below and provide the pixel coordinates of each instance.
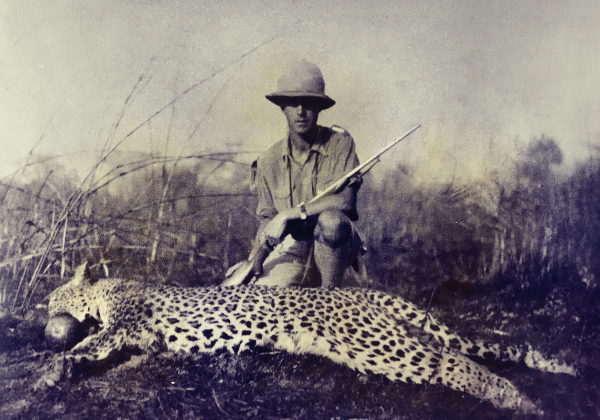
(200, 83)
(217, 402)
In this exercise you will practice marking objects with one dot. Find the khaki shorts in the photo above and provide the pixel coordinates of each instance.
(291, 264)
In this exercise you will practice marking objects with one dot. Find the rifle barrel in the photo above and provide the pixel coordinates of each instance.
(389, 146)
(359, 168)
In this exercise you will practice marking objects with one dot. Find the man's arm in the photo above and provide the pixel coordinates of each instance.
(344, 150)
(265, 210)
(344, 201)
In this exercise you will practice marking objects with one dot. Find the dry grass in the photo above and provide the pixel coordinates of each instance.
(526, 257)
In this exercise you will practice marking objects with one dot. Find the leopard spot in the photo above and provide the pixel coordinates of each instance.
(211, 344)
(454, 343)
(366, 334)
(473, 350)
(488, 355)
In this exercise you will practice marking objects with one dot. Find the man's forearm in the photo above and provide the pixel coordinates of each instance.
(344, 201)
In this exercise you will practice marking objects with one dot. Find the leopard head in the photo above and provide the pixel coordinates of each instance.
(67, 298)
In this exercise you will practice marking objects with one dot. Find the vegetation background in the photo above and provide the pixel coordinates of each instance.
(186, 219)
(487, 217)
(511, 260)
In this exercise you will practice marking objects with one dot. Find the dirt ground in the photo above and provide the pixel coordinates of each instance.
(275, 385)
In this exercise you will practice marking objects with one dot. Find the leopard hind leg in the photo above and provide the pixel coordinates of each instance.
(405, 311)
(462, 374)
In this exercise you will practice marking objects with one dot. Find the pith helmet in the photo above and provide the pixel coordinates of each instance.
(301, 80)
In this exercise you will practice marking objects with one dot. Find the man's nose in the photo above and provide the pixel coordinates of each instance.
(301, 109)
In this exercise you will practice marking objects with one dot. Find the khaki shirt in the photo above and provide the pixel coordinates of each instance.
(282, 183)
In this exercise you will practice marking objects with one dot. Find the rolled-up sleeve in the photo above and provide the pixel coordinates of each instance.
(266, 207)
(347, 158)
(342, 158)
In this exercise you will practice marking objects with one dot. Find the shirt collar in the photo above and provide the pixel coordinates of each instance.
(318, 146)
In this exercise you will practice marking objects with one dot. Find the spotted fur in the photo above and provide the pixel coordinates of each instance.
(363, 329)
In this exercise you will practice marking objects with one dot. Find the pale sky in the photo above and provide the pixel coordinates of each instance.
(482, 77)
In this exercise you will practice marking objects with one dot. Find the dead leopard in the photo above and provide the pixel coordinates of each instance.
(360, 328)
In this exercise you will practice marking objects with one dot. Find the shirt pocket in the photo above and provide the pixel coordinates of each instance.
(324, 183)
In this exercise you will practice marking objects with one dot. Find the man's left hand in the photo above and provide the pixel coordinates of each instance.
(273, 232)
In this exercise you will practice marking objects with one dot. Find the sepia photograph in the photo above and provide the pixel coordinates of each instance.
(300, 209)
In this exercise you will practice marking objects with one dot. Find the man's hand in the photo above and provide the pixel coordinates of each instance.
(273, 232)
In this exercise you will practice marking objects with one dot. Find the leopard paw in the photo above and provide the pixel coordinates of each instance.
(58, 370)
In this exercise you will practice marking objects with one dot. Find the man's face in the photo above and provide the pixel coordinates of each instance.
(301, 114)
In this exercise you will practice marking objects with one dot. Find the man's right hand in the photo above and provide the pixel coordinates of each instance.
(273, 232)
(271, 235)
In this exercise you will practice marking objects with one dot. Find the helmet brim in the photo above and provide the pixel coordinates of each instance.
(278, 97)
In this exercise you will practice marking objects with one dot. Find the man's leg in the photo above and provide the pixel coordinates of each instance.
(285, 266)
(333, 246)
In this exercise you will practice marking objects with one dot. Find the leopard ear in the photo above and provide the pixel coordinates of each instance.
(82, 275)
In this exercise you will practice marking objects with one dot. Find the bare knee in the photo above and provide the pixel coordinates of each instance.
(333, 228)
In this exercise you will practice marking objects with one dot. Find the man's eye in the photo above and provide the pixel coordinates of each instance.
(306, 103)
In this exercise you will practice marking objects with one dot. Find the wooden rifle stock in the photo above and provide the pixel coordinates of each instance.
(260, 257)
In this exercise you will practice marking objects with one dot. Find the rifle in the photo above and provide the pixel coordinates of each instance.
(255, 262)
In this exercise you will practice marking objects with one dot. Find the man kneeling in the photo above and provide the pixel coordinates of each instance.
(317, 243)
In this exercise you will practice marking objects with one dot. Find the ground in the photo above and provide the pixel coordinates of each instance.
(277, 385)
